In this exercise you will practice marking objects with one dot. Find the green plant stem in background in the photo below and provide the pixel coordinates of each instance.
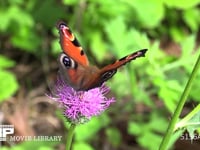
(70, 136)
(170, 129)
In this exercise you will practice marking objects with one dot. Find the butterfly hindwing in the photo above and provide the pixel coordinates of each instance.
(104, 74)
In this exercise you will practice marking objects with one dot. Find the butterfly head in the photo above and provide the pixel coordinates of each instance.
(61, 25)
(65, 31)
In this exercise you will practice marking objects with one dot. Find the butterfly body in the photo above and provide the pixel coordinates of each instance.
(81, 77)
(74, 66)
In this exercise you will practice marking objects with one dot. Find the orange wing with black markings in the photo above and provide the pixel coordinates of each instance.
(70, 44)
(124, 60)
(74, 65)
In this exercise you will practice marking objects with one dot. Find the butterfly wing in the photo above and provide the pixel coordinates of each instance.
(74, 64)
(76, 75)
(88, 77)
(70, 45)
(108, 71)
(95, 78)
(124, 60)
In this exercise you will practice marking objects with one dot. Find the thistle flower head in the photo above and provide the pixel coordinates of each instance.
(80, 106)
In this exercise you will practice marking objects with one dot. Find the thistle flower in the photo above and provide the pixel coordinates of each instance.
(80, 106)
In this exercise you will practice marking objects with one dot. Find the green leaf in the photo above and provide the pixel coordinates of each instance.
(82, 146)
(156, 122)
(8, 86)
(70, 2)
(155, 140)
(118, 84)
(192, 125)
(191, 17)
(24, 39)
(145, 130)
(191, 122)
(116, 36)
(149, 13)
(4, 19)
(188, 54)
(48, 13)
(114, 136)
(195, 90)
(5, 62)
(88, 131)
(98, 46)
(181, 4)
(168, 91)
(177, 33)
(135, 128)
(55, 50)
(13, 15)
(124, 41)
(187, 46)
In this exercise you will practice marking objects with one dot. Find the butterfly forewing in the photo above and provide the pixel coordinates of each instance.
(123, 61)
(70, 44)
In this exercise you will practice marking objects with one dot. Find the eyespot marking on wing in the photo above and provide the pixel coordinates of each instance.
(67, 62)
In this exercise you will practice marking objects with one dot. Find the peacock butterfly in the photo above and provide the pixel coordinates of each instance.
(74, 66)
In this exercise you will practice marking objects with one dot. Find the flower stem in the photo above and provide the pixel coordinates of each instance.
(170, 129)
(70, 136)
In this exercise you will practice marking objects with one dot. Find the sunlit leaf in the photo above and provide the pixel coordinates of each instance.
(114, 136)
(181, 4)
(191, 17)
(149, 13)
(5, 62)
(87, 131)
(8, 86)
(82, 146)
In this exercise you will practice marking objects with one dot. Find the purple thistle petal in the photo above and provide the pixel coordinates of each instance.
(80, 106)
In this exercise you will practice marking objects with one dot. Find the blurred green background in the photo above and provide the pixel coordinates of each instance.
(146, 90)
